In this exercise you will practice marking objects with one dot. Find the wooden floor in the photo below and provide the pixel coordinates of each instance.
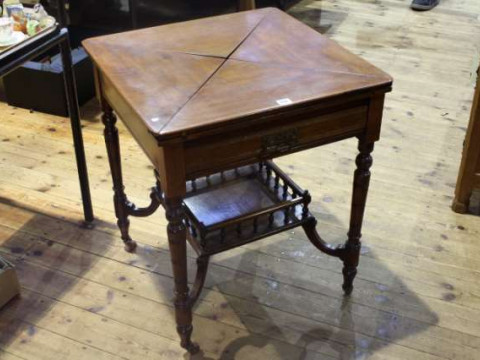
(417, 294)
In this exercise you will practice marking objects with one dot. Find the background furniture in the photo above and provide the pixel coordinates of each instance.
(97, 17)
(89, 18)
(469, 173)
(32, 48)
(210, 102)
(40, 85)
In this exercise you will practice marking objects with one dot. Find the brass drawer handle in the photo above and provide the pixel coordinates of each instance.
(279, 142)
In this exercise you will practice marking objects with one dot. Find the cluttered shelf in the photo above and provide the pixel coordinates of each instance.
(24, 33)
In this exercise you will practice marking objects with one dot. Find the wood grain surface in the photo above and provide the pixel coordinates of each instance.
(251, 63)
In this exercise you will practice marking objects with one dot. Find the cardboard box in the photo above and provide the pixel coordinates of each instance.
(9, 286)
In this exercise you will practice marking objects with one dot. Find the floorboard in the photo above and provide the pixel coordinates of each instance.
(416, 296)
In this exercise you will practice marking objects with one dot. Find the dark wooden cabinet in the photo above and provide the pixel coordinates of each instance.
(96, 17)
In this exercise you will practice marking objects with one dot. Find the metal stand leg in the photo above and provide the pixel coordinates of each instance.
(360, 189)
(177, 240)
(71, 94)
(120, 199)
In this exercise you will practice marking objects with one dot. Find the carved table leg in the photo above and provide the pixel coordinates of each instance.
(177, 241)
(120, 199)
(361, 181)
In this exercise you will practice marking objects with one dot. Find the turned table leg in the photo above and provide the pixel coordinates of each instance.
(120, 199)
(177, 241)
(360, 189)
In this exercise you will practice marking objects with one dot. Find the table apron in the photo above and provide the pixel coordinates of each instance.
(215, 153)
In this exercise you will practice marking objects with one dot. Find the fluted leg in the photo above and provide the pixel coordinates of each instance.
(177, 241)
(352, 247)
(120, 199)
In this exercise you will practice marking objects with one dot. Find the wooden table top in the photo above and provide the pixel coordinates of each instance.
(187, 77)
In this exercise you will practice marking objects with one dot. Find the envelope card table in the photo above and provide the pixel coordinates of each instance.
(211, 102)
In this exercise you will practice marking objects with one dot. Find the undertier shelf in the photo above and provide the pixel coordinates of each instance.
(238, 206)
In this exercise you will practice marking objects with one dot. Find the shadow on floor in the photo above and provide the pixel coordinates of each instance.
(282, 302)
(276, 306)
(338, 326)
(474, 205)
(22, 243)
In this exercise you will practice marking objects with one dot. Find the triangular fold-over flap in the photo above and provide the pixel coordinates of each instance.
(154, 86)
(216, 36)
(281, 39)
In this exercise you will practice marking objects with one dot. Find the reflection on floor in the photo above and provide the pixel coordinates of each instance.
(417, 295)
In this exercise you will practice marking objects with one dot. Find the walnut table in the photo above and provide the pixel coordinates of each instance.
(211, 102)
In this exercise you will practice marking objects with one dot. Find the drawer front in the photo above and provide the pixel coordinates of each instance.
(204, 156)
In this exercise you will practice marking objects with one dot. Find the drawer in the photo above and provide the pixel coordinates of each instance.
(236, 148)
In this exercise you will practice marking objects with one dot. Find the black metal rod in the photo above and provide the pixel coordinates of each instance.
(73, 110)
